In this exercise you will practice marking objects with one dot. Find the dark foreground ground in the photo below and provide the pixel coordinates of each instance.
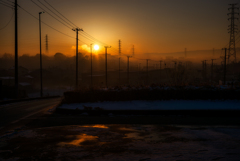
(54, 136)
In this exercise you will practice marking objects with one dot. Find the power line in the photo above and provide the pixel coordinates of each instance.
(56, 14)
(60, 13)
(7, 3)
(9, 6)
(94, 38)
(52, 15)
(8, 22)
(45, 23)
(50, 26)
(84, 34)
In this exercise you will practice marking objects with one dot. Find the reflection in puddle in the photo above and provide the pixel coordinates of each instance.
(80, 139)
(139, 133)
(127, 129)
(96, 126)
(137, 136)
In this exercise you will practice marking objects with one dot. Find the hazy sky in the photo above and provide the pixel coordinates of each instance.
(152, 26)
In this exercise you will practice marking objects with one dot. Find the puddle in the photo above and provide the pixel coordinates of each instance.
(96, 126)
(140, 136)
(127, 129)
(82, 139)
(142, 133)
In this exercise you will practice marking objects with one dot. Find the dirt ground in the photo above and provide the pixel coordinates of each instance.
(120, 142)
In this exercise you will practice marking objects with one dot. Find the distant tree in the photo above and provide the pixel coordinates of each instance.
(59, 56)
(6, 61)
(7, 56)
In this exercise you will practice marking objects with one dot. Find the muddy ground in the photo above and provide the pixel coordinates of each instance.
(38, 140)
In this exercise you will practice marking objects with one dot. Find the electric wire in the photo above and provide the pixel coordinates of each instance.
(6, 5)
(8, 22)
(52, 15)
(60, 13)
(74, 25)
(84, 34)
(51, 26)
(96, 40)
(9, 1)
(46, 23)
(56, 14)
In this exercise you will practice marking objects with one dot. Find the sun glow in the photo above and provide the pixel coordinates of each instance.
(96, 47)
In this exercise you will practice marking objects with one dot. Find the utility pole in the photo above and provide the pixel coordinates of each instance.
(106, 47)
(225, 66)
(232, 30)
(213, 51)
(185, 52)
(128, 68)
(133, 50)
(77, 29)
(160, 69)
(119, 47)
(40, 37)
(16, 49)
(46, 43)
(147, 70)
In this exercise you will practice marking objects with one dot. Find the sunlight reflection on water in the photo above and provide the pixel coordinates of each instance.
(80, 139)
(87, 135)
(85, 138)
(96, 126)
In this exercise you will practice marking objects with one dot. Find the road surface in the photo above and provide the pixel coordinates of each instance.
(12, 115)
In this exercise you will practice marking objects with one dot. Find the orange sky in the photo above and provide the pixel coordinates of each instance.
(151, 26)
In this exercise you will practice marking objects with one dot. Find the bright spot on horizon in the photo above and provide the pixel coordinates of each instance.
(96, 47)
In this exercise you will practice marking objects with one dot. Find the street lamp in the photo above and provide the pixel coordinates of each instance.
(41, 92)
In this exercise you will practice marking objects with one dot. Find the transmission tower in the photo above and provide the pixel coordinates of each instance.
(232, 30)
(119, 49)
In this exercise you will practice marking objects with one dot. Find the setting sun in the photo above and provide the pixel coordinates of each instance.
(96, 47)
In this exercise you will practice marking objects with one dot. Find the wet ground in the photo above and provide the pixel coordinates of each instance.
(122, 142)
(33, 131)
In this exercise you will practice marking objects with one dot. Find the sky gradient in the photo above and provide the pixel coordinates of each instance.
(152, 26)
